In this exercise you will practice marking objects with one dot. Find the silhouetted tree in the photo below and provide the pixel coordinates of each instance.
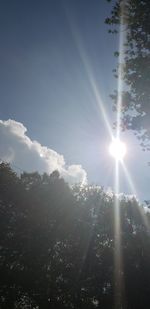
(57, 245)
(133, 15)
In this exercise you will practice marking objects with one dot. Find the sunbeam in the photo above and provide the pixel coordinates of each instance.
(117, 242)
(88, 70)
(118, 150)
(120, 71)
(129, 179)
(133, 190)
(93, 84)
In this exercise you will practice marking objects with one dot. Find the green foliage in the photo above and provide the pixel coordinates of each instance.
(57, 245)
(133, 15)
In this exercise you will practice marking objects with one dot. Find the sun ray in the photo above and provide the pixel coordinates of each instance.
(120, 69)
(88, 70)
(93, 85)
(118, 284)
(133, 190)
(118, 267)
(129, 179)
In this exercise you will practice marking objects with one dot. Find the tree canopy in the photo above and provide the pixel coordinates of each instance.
(134, 15)
(57, 245)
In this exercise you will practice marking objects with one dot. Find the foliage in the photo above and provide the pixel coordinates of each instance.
(57, 245)
(133, 16)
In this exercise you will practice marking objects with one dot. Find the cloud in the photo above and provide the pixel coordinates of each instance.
(17, 148)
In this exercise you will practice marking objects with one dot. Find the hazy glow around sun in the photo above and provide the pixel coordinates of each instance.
(117, 149)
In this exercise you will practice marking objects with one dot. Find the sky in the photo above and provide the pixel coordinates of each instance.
(53, 55)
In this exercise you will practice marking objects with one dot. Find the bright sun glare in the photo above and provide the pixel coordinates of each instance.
(117, 149)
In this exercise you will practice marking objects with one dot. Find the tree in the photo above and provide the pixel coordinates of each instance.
(134, 15)
(57, 245)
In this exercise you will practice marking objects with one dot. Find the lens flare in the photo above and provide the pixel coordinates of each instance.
(117, 149)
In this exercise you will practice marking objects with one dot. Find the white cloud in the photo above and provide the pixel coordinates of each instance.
(17, 148)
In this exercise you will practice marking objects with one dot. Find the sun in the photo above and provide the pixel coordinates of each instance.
(117, 149)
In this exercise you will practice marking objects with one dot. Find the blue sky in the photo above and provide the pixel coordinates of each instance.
(45, 84)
